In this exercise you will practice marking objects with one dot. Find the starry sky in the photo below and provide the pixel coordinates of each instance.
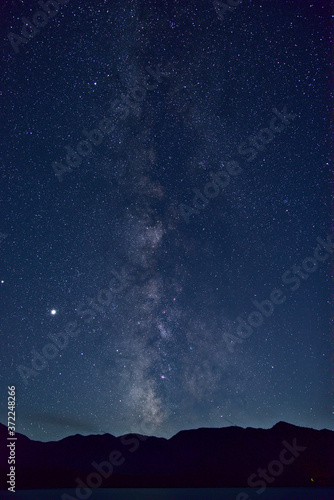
(166, 187)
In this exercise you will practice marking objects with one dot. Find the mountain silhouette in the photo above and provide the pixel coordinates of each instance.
(199, 458)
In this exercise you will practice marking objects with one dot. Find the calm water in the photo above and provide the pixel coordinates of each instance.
(178, 494)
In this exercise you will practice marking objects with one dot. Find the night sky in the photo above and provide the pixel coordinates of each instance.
(166, 168)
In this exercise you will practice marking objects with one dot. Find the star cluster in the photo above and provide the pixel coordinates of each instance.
(119, 115)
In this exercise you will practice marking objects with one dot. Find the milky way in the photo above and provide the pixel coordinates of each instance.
(165, 164)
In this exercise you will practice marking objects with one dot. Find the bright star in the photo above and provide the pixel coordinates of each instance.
(53, 312)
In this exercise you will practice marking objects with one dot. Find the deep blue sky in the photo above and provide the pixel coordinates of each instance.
(160, 351)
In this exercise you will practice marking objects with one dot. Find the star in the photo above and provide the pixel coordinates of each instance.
(132, 232)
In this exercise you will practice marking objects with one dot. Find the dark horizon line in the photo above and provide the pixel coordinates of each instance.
(280, 422)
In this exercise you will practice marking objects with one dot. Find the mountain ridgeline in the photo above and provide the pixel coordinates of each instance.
(283, 456)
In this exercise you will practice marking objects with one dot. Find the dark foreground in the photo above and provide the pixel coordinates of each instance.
(181, 494)
(283, 456)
